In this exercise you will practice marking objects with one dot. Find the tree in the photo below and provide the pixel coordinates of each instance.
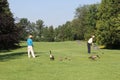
(81, 13)
(68, 34)
(59, 33)
(39, 28)
(23, 26)
(81, 27)
(51, 34)
(108, 24)
(85, 21)
(48, 34)
(91, 19)
(9, 37)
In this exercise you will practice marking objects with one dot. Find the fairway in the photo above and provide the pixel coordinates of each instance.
(71, 63)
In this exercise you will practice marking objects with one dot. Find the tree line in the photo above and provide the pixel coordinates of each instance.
(101, 20)
(80, 28)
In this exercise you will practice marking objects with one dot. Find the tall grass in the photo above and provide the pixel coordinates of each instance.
(15, 65)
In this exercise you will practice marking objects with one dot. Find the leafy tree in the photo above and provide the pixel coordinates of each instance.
(59, 33)
(48, 34)
(81, 27)
(68, 35)
(81, 13)
(9, 37)
(51, 34)
(45, 34)
(23, 26)
(91, 19)
(39, 28)
(85, 20)
(77, 30)
(108, 24)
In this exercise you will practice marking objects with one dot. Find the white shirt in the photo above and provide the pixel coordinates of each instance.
(90, 40)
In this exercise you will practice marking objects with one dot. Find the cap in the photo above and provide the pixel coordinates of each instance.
(30, 36)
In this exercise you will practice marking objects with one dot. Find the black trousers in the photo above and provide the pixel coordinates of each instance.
(89, 47)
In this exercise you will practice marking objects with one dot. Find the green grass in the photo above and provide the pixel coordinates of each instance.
(15, 65)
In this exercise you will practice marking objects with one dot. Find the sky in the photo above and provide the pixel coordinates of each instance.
(51, 12)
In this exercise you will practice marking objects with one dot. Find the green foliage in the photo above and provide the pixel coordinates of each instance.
(101, 20)
(39, 29)
(48, 34)
(24, 27)
(108, 24)
(83, 26)
(81, 15)
(9, 37)
(65, 32)
(80, 28)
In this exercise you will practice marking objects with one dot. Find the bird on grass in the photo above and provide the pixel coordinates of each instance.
(94, 57)
(51, 56)
(66, 58)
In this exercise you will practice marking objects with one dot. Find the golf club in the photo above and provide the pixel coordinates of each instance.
(97, 48)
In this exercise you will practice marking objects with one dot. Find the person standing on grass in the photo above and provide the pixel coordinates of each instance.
(89, 43)
(30, 47)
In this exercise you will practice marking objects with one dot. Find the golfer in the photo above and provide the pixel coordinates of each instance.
(30, 47)
(89, 43)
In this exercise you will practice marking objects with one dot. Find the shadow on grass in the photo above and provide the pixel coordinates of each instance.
(6, 55)
(9, 50)
(10, 56)
(38, 54)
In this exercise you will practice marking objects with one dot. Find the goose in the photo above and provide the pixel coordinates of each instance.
(51, 56)
(93, 57)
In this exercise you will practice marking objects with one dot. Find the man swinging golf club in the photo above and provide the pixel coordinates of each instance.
(89, 43)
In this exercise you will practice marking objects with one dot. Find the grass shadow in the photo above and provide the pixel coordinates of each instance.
(38, 54)
(5, 51)
(9, 50)
(15, 55)
(10, 56)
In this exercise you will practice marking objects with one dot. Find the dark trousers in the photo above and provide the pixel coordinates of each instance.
(89, 47)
